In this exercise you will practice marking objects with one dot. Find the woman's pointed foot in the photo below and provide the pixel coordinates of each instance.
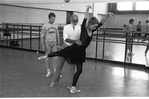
(42, 57)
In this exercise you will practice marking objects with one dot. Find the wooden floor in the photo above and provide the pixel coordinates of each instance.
(22, 75)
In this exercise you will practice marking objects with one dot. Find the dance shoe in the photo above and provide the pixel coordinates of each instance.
(73, 89)
(52, 84)
(42, 57)
(48, 74)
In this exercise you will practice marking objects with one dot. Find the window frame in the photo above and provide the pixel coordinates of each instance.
(112, 7)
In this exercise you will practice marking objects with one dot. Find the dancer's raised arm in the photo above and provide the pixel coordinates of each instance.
(87, 11)
(105, 18)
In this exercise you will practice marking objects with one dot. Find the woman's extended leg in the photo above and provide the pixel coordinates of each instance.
(63, 52)
(147, 48)
(49, 55)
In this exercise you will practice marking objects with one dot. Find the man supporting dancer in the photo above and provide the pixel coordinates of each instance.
(76, 52)
(71, 35)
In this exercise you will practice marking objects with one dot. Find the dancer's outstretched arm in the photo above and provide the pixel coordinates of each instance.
(87, 11)
(105, 18)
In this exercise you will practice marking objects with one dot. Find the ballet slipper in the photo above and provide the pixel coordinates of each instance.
(42, 57)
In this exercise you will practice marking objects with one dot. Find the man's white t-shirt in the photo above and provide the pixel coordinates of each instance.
(49, 32)
(71, 32)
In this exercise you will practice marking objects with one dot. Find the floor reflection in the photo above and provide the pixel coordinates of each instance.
(132, 74)
(147, 62)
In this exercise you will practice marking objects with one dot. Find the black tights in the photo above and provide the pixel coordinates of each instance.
(147, 48)
(77, 74)
(78, 65)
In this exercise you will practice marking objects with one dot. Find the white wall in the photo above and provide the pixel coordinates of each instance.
(13, 14)
(1, 14)
(100, 9)
(28, 14)
(69, 7)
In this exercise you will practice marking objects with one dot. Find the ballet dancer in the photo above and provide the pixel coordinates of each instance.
(71, 34)
(76, 52)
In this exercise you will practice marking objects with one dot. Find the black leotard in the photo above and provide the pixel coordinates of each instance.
(76, 53)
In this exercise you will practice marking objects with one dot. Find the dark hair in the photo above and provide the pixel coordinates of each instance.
(131, 20)
(51, 14)
(147, 21)
(93, 20)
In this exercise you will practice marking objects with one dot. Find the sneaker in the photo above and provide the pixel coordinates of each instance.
(73, 90)
(61, 76)
(42, 57)
(52, 84)
(48, 74)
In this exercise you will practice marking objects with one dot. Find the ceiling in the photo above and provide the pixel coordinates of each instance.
(62, 1)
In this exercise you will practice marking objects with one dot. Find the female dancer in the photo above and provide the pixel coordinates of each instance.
(76, 52)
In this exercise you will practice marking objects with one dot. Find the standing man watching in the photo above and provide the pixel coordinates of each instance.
(50, 41)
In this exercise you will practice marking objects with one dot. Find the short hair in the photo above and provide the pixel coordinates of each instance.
(147, 21)
(51, 14)
(131, 20)
(93, 20)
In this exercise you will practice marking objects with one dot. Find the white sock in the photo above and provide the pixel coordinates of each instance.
(54, 70)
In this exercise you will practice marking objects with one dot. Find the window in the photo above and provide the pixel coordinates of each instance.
(142, 5)
(122, 6)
